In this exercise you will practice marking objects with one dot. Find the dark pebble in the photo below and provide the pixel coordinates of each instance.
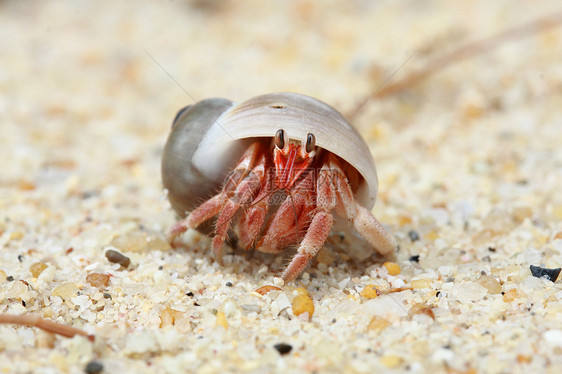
(190, 294)
(413, 235)
(228, 284)
(550, 274)
(106, 295)
(415, 258)
(283, 348)
(117, 258)
(9, 278)
(87, 194)
(20, 258)
(491, 249)
(93, 367)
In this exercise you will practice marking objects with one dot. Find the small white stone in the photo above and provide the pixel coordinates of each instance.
(553, 337)
(18, 290)
(160, 276)
(439, 216)
(82, 301)
(280, 303)
(398, 283)
(343, 284)
(140, 342)
(388, 305)
(447, 270)
(168, 340)
(468, 292)
(443, 355)
(533, 282)
(230, 308)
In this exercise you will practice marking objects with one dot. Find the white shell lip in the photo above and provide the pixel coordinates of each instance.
(298, 115)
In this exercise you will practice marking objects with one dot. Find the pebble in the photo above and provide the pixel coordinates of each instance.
(266, 289)
(37, 268)
(280, 303)
(469, 292)
(421, 283)
(510, 295)
(251, 308)
(370, 291)
(117, 258)
(283, 348)
(167, 317)
(413, 235)
(550, 274)
(421, 308)
(491, 284)
(98, 280)
(45, 340)
(66, 290)
(377, 324)
(135, 241)
(17, 290)
(302, 303)
(391, 361)
(392, 268)
(221, 320)
(93, 367)
(231, 308)
(553, 337)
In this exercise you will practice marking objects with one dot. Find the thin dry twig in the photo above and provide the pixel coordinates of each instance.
(467, 51)
(399, 289)
(31, 320)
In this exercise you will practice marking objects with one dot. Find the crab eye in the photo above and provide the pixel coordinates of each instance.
(280, 139)
(310, 142)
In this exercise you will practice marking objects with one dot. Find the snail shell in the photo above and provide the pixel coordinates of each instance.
(208, 139)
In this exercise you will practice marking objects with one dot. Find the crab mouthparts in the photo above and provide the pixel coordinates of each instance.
(290, 166)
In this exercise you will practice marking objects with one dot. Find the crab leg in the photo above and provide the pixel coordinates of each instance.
(204, 212)
(291, 219)
(319, 228)
(213, 206)
(252, 221)
(334, 193)
(363, 220)
(372, 230)
(243, 195)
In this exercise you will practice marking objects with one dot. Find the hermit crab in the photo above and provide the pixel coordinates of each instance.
(277, 171)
